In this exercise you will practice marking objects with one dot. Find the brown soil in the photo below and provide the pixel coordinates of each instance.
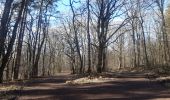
(127, 86)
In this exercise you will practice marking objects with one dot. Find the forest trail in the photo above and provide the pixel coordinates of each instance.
(128, 86)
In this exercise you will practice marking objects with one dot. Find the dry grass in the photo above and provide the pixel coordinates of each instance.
(9, 88)
(4, 89)
(88, 80)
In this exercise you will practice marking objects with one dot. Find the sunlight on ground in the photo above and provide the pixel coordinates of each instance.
(9, 88)
(4, 89)
(86, 80)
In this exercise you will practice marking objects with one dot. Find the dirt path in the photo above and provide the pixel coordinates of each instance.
(124, 88)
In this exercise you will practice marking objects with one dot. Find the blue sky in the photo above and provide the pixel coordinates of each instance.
(62, 7)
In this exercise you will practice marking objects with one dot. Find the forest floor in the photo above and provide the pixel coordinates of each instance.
(121, 86)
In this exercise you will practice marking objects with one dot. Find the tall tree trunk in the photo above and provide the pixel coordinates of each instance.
(76, 38)
(100, 58)
(134, 44)
(35, 66)
(161, 7)
(19, 46)
(121, 44)
(36, 53)
(144, 43)
(104, 61)
(138, 49)
(88, 36)
(11, 43)
(4, 25)
(44, 54)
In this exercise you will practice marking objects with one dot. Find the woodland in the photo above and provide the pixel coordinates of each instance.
(92, 37)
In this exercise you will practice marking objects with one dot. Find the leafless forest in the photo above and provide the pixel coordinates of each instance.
(84, 49)
(94, 36)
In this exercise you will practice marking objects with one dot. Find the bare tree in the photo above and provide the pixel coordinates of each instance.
(161, 6)
(75, 29)
(4, 25)
(88, 36)
(11, 43)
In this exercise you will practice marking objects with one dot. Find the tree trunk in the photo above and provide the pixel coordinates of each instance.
(19, 47)
(11, 43)
(144, 42)
(100, 58)
(4, 26)
(88, 36)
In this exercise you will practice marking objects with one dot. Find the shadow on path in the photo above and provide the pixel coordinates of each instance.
(120, 89)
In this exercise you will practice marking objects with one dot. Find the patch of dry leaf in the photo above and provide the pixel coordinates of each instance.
(88, 80)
